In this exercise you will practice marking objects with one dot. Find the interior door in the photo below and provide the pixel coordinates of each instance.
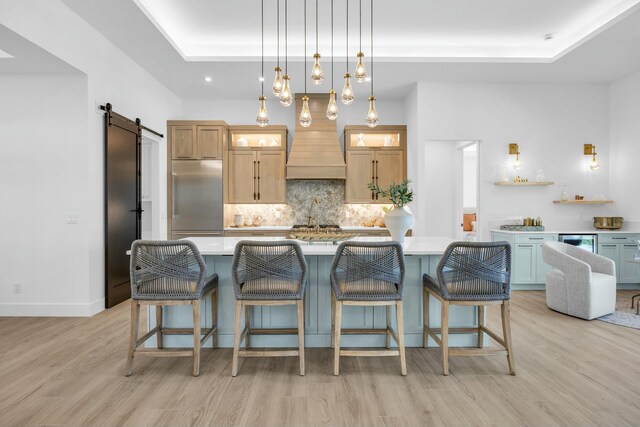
(122, 204)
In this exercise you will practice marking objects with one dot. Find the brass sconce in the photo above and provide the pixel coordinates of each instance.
(513, 149)
(590, 150)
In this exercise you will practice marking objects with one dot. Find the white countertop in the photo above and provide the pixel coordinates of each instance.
(411, 245)
(567, 231)
(288, 227)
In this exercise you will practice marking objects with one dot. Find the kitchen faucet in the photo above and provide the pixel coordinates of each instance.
(310, 218)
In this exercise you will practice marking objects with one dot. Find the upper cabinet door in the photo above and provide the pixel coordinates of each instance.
(183, 143)
(389, 169)
(210, 142)
(360, 172)
(242, 177)
(271, 177)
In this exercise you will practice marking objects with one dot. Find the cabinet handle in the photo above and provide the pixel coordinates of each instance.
(525, 246)
(373, 177)
(254, 180)
(619, 238)
(629, 246)
(258, 179)
(536, 238)
(609, 246)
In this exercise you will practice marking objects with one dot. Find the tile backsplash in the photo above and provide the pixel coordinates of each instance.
(331, 208)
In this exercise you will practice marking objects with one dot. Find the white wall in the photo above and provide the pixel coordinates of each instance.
(110, 76)
(550, 122)
(625, 146)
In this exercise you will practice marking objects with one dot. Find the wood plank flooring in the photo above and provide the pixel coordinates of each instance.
(70, 371)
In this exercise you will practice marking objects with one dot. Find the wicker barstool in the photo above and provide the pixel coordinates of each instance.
(471, 274)
(368, 274)
(170, 273)
(267, 273)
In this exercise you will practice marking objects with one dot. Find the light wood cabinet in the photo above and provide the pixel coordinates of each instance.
(197, 140)
(373, 155)
(257, 162)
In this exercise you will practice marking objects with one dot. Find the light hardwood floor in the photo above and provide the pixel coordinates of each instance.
(70, 371)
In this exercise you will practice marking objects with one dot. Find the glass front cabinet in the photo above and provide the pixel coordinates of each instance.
(257, 160)
(377, 155)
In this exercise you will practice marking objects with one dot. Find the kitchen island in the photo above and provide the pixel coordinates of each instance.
(422, 255)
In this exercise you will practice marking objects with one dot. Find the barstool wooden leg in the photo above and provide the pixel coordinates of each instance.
(159, 325)
(333, 318)
(214, 317)
(388, 335)
(196, 337)
(480, 325)
(425, 317)
(336, 333)
(236, 340)
(506, 330)
(133, 338)
(444, 346)
(400, 330)
(247, 324)
(301, 335)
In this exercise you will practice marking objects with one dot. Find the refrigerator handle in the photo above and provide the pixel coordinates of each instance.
(173, 194)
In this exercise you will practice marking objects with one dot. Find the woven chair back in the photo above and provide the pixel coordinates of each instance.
(165, 269)
(278, 267)
(367, 270)
(476, 270)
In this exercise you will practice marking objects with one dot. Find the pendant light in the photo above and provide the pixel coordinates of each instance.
(277, 82)
(347, 91)
(332, 108)
(372, 114)
(316, 72)
(361, 72)
(263, 118)
(286, 97)
(305, 114)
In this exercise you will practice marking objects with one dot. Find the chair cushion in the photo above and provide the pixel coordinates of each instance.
(369, 289)
(268, 288)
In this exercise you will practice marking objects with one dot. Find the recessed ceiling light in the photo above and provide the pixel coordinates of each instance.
(208, 79)
(548, 37)
(260, 79)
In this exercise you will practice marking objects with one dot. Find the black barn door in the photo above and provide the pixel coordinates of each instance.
(123, 211)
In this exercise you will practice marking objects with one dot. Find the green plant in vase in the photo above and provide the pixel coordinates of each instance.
(398, 220)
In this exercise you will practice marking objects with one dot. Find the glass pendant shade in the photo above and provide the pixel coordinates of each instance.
(361, 72)
(263, 118)
(372, 114)
(316, 72)
(594, 165)
(347, 91)
(516, 164)
(277, 83)
(305, 113)
(332, 107)
(286, 98)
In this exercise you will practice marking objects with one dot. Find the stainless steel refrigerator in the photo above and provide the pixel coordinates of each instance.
(196, 191)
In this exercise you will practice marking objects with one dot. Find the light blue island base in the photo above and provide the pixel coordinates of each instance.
(318, 311)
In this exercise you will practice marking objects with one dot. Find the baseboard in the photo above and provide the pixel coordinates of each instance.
(51, 310)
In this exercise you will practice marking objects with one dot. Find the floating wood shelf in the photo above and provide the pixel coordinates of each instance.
(524, 184)
(582, 202)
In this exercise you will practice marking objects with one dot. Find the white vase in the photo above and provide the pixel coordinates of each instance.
(398, 221)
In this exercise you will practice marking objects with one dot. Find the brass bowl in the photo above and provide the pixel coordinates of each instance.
(608, 222)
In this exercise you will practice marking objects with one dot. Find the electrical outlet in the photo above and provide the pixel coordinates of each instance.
(17, 288)
(72, 218)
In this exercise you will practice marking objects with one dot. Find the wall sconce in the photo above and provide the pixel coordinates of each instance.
(513, 149)
(590, 150)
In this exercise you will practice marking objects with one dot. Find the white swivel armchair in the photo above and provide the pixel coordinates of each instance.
(582, 284)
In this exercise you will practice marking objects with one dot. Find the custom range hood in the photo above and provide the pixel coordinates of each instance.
(315, 151)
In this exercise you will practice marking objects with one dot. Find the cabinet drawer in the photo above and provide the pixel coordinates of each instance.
(535, 238)
(618, 238)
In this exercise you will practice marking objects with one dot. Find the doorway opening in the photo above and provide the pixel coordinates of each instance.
(467, 200)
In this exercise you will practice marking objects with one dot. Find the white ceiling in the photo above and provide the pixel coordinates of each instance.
(20, 56)
(607, 54)
(471, 30)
